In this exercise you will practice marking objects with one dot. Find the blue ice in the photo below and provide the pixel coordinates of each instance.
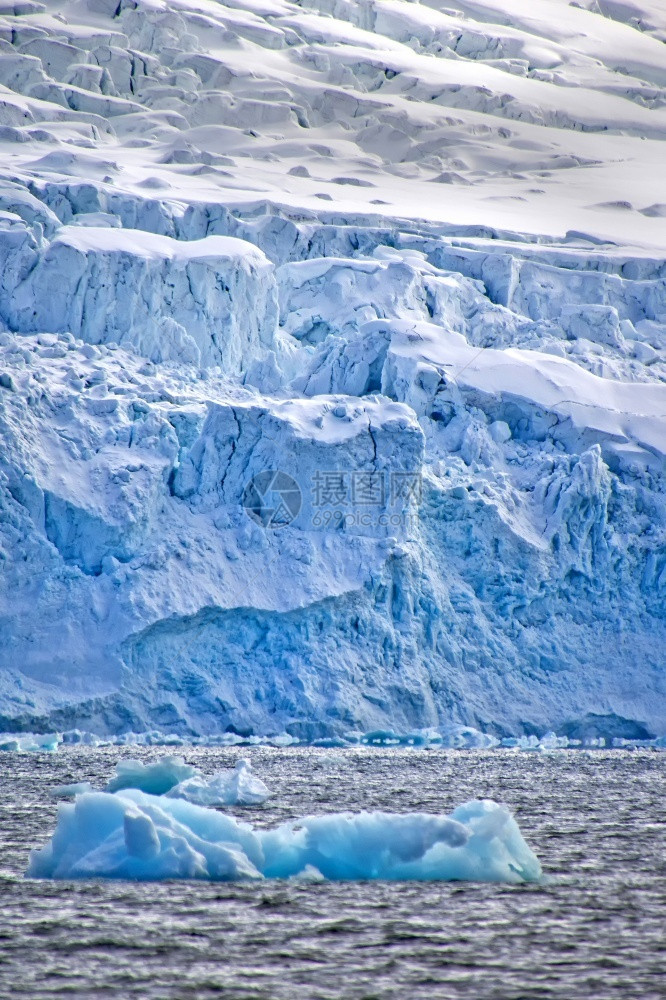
(132, 835)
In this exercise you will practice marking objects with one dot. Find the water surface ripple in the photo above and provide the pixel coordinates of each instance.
(595, 929)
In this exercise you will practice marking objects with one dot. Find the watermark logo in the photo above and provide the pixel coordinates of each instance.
(338, 499)
(272, 499)
(362, 488)
(365, 498)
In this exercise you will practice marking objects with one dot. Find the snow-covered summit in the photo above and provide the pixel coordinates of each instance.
(333, 365)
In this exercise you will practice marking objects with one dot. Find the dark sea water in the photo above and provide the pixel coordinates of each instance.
(596, 927)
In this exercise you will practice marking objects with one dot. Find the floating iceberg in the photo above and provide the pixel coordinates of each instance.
(74, 737)
(239, 787)
(173, 777)
(155, 779)
(133, 835)
(31, 743)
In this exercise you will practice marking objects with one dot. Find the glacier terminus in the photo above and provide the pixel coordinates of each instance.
(333, 368)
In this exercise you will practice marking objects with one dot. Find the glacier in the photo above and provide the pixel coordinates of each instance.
(333, 369)
(131, 834)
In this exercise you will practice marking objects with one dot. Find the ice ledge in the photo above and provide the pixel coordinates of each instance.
(207, 302)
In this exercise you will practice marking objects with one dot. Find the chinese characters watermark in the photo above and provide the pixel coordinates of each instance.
(339, 498)
(360, 488)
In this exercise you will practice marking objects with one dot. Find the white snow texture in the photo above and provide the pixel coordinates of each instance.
(332, 367)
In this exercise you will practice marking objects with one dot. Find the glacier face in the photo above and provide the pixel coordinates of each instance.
(332, 366)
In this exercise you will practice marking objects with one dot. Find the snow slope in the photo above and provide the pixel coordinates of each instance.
(410, 257)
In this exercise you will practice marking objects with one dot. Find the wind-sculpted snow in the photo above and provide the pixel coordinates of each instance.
(533, 116)
(139, 836)
(333, 369)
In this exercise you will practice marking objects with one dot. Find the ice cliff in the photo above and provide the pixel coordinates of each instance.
(333, 366)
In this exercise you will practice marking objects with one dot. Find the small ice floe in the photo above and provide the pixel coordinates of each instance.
(533, 744)
(133, 835)
(78, 737)
(309, 876)
(467, 738)
(239, 787)
(283, 740)
(451, 737)
(71, 791)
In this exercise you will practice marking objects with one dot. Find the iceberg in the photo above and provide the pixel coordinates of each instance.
(172, 777)
(156, 778)
(239, 787)
(133, 835)
(32, 743)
